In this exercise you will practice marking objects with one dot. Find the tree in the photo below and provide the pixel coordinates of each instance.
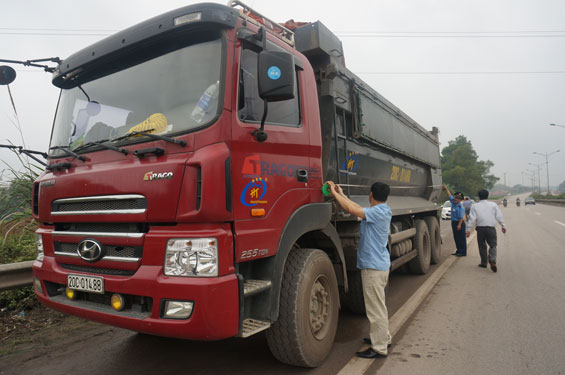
(462, 168)
(561, 187)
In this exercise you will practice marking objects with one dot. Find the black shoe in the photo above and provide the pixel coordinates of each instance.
(367, 341)
(483, 265)
(492, 266)
(460, 255)
(370, 353)
(456, 254)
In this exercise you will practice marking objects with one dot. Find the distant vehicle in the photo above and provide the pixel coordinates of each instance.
(446, 210)
(530, 200)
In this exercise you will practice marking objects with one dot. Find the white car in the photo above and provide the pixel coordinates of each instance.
(446, 210)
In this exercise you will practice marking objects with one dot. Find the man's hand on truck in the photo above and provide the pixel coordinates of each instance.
(347, 204)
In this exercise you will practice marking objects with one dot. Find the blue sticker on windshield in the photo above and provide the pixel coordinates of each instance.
(274, 72)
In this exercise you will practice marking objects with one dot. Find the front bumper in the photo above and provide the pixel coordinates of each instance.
(216, 304)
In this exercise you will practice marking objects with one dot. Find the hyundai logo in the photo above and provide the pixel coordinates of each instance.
(90, 250)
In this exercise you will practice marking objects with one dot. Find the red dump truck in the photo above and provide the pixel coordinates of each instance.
(183, 192)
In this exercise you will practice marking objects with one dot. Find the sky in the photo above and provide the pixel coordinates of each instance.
(492, 71)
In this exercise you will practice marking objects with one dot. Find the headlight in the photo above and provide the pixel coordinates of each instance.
(192, 257)
(40, 254)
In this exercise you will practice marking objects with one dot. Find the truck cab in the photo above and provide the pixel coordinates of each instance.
(183, 193)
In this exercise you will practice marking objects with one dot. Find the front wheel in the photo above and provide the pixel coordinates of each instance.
(304, 333)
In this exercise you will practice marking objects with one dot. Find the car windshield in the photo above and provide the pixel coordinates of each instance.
(447, 204)
(171, 94)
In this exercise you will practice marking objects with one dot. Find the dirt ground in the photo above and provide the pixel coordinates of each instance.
(30, 331)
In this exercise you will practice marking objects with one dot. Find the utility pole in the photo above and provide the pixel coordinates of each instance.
(547, 155)
(532, 178)
(538, 169)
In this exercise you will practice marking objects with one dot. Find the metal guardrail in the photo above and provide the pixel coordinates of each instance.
(15, 275)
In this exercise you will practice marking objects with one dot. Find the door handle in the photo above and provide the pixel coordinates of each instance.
(302, 175)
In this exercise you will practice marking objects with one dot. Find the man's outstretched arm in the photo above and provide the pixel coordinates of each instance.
(345, 203)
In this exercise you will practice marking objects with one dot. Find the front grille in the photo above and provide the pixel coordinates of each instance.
(102, 227)
(128, 204)
(112, 251)
(96, 230)
(100, 205)
(99, 271)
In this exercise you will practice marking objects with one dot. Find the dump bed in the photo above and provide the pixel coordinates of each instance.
(365, 137)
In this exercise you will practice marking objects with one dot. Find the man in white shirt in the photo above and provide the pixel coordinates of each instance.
(485, 215)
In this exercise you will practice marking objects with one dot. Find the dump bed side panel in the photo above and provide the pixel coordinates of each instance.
(365, 137)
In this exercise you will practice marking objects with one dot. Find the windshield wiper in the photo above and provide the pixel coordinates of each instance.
(68, 152)
(102, 143)
(29, 153)
(154, 136)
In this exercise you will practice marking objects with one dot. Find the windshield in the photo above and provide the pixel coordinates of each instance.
(171, 94)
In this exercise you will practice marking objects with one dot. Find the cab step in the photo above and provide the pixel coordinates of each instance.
(253, 326)
(252, 287)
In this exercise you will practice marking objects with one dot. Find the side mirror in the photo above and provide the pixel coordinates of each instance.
(276, 75)
(7, 75)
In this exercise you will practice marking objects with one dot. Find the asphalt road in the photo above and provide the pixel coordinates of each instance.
(109, 350)
(480, 322)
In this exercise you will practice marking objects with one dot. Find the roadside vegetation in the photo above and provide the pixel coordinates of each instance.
(17, 231)
(463, 171)
(544, 196)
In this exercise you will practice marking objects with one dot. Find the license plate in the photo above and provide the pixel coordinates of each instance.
(92, 284)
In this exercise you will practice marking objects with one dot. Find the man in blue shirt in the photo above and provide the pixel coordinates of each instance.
(457, 222)
(373, 259)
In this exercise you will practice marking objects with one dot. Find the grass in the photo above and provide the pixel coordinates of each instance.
(17, 231)
(544, 196)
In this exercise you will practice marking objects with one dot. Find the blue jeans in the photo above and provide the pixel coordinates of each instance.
(459, 237)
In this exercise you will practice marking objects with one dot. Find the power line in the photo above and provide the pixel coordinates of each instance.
(383, 35)
(54, 34)
(47, 29)
(342, 33)
(447, 32)
(465, 73)
(337, 31)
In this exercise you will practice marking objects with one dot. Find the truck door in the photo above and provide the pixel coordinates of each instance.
(346, 155)
(270, 179)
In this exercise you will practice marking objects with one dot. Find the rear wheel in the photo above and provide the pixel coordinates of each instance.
(354, 300)
(421, 264)
(304, 333)
(435, 239)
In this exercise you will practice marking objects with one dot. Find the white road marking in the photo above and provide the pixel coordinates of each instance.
(563, 225)
(537, 213)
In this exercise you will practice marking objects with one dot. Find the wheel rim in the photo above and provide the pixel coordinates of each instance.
(320, 301)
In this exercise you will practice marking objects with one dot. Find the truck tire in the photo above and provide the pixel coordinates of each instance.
(304, 333)
(421, 264)
(435, 239)
(353, 300)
